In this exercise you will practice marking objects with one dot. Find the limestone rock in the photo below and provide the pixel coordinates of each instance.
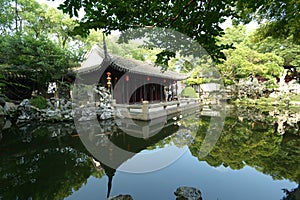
(188, 193)
(121, 197)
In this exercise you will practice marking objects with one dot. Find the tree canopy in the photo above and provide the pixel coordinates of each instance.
(199, 20)
(246, 60)
(35, 41)
(281, 17)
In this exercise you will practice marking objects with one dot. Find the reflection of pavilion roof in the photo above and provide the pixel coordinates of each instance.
(95, 57)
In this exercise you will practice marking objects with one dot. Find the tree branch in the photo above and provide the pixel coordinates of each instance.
(174, 18)
(182, 10)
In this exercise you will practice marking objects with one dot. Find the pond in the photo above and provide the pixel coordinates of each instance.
(256, 156)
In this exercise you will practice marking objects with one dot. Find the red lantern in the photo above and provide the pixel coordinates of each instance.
(148, 78)
(126, 78)
(108, 79)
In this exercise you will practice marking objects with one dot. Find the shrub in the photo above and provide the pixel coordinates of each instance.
(39, 102)
(189, 92)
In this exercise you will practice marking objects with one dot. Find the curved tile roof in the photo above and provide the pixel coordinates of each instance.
(96, 56)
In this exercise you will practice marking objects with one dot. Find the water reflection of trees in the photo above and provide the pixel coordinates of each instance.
(50, 162)
(250, 137)
(42, 163)
(294, 194)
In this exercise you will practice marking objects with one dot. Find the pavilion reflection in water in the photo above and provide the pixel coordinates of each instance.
(112, 147)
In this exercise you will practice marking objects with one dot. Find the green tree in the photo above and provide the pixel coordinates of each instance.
(200, 20)
(243, 62)
(285, 48)
(234, 35)
(129, 50)
(281, 17)
(39, 59)
(6, 16)
(28, 17)
(245, 59)
(35, 41)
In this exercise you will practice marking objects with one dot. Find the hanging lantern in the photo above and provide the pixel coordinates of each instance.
(108, 79)
(126, 78)
(148, 78)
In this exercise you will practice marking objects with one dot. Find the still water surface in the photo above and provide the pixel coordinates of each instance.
(256, 157)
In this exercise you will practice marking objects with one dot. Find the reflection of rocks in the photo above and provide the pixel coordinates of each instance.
(188, 193)
(121, 197)
(283, 120)
(26, 133)
(183, 137)
(2, 121)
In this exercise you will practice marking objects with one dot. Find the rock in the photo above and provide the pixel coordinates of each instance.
(2, 111)
(121, 197)
(188, 193)
(2, 101)
(7, 124)
(25, 111)
(2, 121)
(64, 110)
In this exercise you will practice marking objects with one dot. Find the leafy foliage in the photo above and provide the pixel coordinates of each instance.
(198, 20)
(35, 42)
(282, 17)
(249, 138)
(39, 102)
(285, 48)
(244, 60)
(46, 169)
(189, 92)
(39, 59)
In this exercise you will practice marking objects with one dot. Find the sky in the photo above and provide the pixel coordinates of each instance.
(226, 24)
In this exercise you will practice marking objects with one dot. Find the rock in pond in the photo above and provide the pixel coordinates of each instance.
(188, 193)
(121, 197)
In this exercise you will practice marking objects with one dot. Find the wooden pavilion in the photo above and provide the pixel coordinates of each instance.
(130, 81)
(139, 89)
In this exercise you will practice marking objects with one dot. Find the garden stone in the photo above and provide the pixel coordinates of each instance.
(25, 110)
(121, 197)
(2, 102)
(188, 193)
(2, 112)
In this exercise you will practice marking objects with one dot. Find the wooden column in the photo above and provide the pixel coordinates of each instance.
(161, 92)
